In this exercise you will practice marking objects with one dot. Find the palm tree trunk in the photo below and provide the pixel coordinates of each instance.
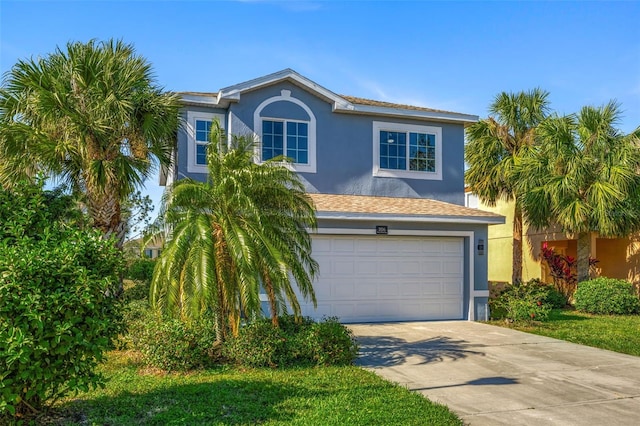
(106, 213)
(584, 251)
(271, 295)
(516, 276)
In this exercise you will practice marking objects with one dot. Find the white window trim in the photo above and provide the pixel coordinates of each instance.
(192, 116)
(285, 95)
(379, 126)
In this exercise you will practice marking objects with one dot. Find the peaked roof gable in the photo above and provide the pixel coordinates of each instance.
(340, 103)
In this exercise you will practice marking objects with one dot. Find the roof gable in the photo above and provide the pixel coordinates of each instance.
(340, 103)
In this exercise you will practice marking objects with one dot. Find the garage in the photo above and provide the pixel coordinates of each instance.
(370, 278)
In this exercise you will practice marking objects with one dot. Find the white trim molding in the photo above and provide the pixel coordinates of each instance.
(285, 95)
(379, 126)
(190, 128)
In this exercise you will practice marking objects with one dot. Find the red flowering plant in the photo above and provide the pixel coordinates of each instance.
(563, 270)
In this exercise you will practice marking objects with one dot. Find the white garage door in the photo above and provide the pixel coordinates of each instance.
(388, 278)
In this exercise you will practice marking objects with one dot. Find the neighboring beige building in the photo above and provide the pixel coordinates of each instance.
(151, 250)
(618, 257)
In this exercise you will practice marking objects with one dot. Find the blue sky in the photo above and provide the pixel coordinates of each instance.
(448, 55)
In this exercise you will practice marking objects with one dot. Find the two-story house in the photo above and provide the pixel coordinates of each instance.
(394, 240)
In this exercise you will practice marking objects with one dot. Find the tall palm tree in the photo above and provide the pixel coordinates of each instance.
(584, 176)
(91, 116)
(245, 228)
(494, 147)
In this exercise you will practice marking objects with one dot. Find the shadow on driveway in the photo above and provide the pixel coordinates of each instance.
(387, 351)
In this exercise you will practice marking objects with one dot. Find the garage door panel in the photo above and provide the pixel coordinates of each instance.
(343, 267)
(453, 247)
(451, 288)
(409, 267)
(452, 267)
(388, 278)
(432, 267)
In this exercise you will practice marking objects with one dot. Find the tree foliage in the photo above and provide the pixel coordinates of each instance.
(244, 229)
(93, 117)
(495, 146)
(583, 176)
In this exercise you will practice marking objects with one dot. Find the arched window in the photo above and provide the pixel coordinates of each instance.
(288, 135)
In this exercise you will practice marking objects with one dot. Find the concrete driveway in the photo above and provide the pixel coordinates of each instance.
(495, 376)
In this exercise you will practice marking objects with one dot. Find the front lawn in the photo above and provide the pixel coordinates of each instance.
(229, 396)
(619, 333)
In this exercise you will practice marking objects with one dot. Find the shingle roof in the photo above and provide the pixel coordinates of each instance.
(391, 206)
(352, 99)
(371, 102)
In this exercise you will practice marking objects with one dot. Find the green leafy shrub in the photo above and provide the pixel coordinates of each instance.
(332, 343)
(137, 290)
(522, 302)
(58, 314)
(260, 344)
(607, 296)
(172, 344)
(141, 269)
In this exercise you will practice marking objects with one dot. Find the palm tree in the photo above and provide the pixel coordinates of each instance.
(91, 117)
(245, 228)
(494, 147)
(584, 177)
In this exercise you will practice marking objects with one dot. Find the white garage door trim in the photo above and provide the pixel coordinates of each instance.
(444, 309)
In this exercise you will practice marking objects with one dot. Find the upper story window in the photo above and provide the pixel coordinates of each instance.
(203, 128)
(407, 151)
(290, 137)
(281, 135)
(198, 128)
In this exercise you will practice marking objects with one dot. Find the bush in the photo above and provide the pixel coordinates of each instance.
(304, 342)
(522, 302)
(141, 269)
(171, 344)
(58, 314)
(332, 343)
(607, 296)
(137, 290)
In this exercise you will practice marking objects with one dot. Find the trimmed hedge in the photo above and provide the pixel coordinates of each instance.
(607, 296)
(303, 342)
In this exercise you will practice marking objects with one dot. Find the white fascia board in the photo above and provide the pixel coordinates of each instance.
(233, 92)
(193, 99)
(411, 113)
(411, 218)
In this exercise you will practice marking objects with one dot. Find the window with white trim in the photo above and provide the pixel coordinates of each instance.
(198, 128)
(288, 137)
(203, 128)
(285, 137)
(407, 151)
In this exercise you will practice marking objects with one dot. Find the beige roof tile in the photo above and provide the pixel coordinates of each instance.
(371, 102)
(352, 99)
(369, 205)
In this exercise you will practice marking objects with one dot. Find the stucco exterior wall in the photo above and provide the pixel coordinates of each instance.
(619, 257)
(345, 148)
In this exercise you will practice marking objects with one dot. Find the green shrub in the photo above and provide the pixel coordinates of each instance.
(137, 290)
(305, 342)
(174, 345)
(333, 343)
(141, 269)
(522, 302)
(58, 314)
(607, 296)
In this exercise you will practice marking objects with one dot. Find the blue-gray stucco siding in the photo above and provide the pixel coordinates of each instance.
(345, 148)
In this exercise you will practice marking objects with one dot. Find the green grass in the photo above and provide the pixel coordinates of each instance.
(615, 333)
(228, 396)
